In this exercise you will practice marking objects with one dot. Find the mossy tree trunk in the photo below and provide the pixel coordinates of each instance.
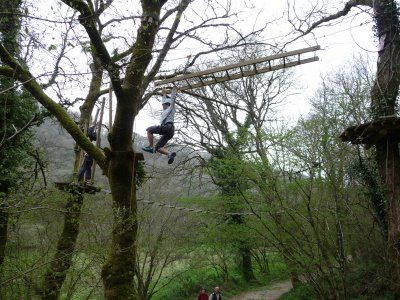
(62, 259)
(383, 103)
(119, 270)
(246, 265)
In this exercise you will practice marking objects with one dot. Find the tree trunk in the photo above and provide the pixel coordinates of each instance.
(393, 197)
(119, 270)
(247, 267)
(62, 260)
(294, 276)
(286, 251)
(3, 231)
(383, 103)
(389, 164)
(57, 272)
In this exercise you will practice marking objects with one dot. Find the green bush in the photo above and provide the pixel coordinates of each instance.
(189, 283)
(302, 292)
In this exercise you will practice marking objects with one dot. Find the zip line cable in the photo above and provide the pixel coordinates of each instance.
(187, 209)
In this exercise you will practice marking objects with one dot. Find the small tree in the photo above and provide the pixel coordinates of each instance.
(233, 118)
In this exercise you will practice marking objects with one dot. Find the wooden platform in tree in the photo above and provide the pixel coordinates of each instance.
(242, 69)
(71, 186)
(371, 133)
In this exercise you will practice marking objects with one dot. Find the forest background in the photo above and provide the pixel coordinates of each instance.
(260, 190)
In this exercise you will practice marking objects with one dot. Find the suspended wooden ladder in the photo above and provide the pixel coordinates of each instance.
(242, 69)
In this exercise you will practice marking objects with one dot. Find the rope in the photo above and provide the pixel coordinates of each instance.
(187, 209)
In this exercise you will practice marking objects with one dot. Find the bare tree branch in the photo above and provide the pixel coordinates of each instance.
(19, 73)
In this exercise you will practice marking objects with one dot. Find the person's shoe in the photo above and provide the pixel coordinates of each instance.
(148, 149)
(171, 157)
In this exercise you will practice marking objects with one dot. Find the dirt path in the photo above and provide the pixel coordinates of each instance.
(271, 292)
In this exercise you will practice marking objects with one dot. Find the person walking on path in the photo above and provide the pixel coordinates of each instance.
(166, 128)
(202, 295)
(216, 295)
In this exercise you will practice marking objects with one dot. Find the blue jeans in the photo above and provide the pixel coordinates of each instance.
(86, 168)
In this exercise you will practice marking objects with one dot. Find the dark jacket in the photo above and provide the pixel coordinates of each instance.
(214, 296)
(91, 133)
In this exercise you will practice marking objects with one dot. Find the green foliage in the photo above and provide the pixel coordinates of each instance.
(140, 174)
(190, 282)
(364, 172)
(18, 109)
(302, 292)
(33, 236)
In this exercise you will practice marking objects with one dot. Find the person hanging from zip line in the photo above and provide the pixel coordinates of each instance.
(166, 128)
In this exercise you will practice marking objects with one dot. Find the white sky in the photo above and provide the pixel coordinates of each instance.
(339, 43)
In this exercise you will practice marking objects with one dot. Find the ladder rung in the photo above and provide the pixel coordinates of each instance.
(237, 65)
(215, 78)
(255, 68)
(251, 72)
(188, 83)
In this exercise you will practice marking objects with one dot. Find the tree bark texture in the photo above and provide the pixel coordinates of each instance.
(119, 270)
(383, 103)
(247, 266)
(388, 159)
(62, 260)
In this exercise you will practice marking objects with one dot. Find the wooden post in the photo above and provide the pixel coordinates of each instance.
(98, 137)
(79, 152)
(110, 109)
